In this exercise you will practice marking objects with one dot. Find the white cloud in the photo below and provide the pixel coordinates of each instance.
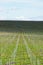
(8, 9)
(20, 13)
(6, 13)
(16, 1)
(37, 18)
(21, 18)
(2, 17)
(7, 0)
(37, 3)
(2, 8)
(24, 1)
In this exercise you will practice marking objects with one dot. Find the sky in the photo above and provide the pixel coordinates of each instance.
(21, 9)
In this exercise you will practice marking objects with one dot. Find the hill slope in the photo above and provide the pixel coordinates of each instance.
(21, 26)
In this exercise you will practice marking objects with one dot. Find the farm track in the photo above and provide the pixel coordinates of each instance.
(11, 60)
(8, 49)
(15, 50)
(21, 54)
(33, 59)
(39, 54)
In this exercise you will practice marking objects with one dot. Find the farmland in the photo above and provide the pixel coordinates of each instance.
(20, 45)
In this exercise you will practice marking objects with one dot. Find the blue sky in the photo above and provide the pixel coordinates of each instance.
(21, 9)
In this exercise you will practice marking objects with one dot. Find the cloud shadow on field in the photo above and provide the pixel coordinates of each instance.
(21, 26)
